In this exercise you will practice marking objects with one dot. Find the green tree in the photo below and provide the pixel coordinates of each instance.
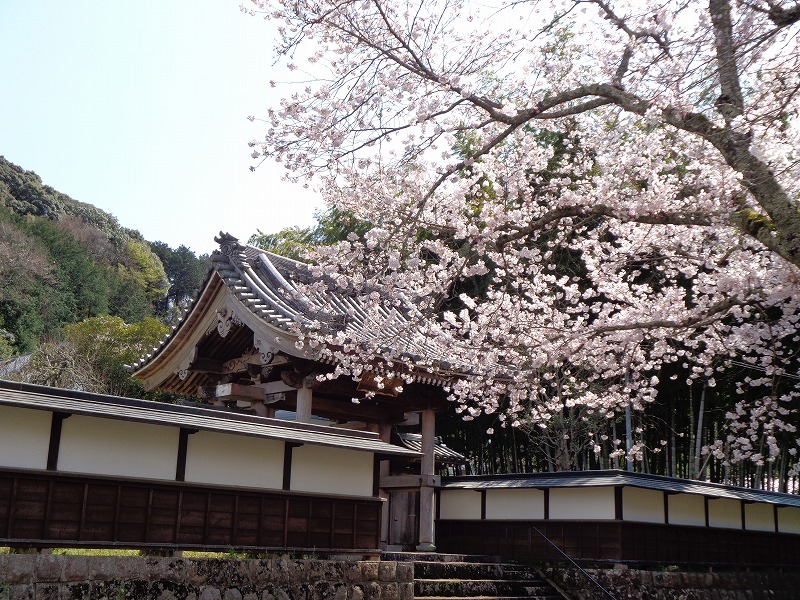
(91, 355)
(185, 272)
(333, 225)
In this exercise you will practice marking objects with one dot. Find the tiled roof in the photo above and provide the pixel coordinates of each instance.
(38, 397)
(619, 478)
(267, 285)
(441, 453)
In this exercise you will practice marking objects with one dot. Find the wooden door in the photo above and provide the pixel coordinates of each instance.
(403, 517)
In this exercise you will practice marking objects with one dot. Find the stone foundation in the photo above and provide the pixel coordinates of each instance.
(49, 577)
(629, 584)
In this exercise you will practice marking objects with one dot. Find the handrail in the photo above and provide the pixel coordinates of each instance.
(577, 566)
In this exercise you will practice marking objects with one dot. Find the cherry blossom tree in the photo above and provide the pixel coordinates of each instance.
(623, 179)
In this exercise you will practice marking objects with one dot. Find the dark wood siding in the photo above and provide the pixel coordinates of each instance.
(618, 541)
(47, 509)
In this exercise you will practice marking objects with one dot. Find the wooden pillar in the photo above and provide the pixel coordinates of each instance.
(385, 432)
(426, 492)
(303, 405)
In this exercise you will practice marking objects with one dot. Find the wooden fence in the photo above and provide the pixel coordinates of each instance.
(618, 541)
(46, 509)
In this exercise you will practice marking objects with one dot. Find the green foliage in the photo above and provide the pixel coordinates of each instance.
(82, 286)
(291, 242)
(62, 261)
(147, 270)
(185, 273)
(111, 341)
(333, 225)
(91, 355)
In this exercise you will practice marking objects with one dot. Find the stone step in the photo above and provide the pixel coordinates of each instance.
(478, 587)
(468, 570)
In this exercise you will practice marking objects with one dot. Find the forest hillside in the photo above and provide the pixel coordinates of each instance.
(67, 264)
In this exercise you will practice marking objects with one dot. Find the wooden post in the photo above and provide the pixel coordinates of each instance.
(426, 492)
(303, 408)
(385, 432)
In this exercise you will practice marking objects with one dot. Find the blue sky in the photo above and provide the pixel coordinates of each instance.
(140, 108)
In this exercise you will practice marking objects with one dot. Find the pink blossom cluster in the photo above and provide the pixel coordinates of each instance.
(576, 198)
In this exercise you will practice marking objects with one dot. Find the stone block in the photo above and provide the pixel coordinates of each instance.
(352, 573)
(156, 567)
(406, 591)
(20, 569)
(355, 592)
(232, 594)
(387, 570)
(76, 591)
(48, 568)
(75, 568)
(372, 590)
(20, 592)
(369, 570)
(210, 593)
(405, 572)
(47, 591)
(390, 591)
(260, 572)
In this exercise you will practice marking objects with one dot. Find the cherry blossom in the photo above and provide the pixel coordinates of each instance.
(578, 199)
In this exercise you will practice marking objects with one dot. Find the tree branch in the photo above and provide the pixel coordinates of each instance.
(661, 218)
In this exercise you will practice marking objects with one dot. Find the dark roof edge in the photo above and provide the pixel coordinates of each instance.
(188, 407)
(625, 478)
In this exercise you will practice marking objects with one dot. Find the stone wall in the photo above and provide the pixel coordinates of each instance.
(630, 584)
(49, 577)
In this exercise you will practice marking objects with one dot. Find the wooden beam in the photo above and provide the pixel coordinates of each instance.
(183, 443)
(206, 365)
(276, 387)
(344, 410)
(389, 482)
(55, 440)
(230, 392)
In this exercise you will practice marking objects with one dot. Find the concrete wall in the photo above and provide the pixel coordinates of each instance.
(725, 512)
(460, 504)
(789, 519)
(238, 460)
(515, 504)
(24, 437)
(112, 447)
(642, 505)
(686, 509)
(759, 517)
(321, 469)
(45, 577)
(582, 503)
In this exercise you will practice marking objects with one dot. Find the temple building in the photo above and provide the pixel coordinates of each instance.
(238, 345)
(280, 450)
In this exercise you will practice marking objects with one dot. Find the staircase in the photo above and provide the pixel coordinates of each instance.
(458, 576)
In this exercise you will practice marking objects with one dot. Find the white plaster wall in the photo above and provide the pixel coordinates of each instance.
(759, 517)
(725, 512)
(582, 503)
(460, 504)
(642, 505)
(789, 519)
(328, 470)
(226, 459)
(687, 509)
(514, 504)
(24, 437)
(112, 447)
